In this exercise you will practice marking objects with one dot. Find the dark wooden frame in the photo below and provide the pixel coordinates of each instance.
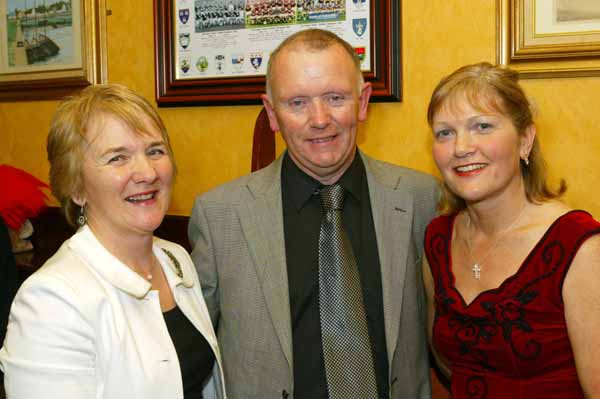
(386, 76)
(46, 85)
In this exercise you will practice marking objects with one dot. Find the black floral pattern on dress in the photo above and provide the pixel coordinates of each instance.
(476, 387)
(510, 314)
(505, 318)
(468, 332)
(438, 245)
(507, 314)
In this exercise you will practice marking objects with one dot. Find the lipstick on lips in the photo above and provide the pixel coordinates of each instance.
(470, 169)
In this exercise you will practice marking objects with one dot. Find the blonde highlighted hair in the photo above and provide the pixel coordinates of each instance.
(488, 87)
(69, 132)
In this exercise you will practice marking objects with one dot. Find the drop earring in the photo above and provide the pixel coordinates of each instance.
(81, 219)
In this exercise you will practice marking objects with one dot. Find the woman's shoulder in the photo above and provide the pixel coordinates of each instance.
(64, 280)
(577, 227)
(64, 268)
(442, 221)
(559, 215)
(60, 287)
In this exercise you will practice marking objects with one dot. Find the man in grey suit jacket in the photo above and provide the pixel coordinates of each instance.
(255, 239)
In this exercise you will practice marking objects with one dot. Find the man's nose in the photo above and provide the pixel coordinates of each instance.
(319, 114)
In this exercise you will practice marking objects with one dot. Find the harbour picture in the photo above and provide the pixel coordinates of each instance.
(39, 33)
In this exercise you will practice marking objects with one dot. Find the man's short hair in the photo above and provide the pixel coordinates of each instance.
(312, 40)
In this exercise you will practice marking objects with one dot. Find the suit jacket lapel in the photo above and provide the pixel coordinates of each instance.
(261, 218)
(392, 216)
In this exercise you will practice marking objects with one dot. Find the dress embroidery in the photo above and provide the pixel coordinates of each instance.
(515, 333)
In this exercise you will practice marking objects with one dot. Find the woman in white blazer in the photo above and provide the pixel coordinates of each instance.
(116, 312)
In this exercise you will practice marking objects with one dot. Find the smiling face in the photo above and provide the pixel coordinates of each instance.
(316, 104)
(127, 179)
(478, 150)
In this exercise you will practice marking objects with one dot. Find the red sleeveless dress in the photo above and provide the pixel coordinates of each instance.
(511, 342)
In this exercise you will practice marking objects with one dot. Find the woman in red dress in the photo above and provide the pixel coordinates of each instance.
(512, 274)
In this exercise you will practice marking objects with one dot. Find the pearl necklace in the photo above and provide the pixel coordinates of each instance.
(149, 276)
(476, 268)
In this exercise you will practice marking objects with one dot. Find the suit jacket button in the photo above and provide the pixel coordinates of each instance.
(284, 394)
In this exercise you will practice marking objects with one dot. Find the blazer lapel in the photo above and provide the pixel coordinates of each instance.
(261, 218)
(392, 216)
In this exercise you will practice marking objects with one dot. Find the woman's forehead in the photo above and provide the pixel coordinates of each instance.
(480, 99)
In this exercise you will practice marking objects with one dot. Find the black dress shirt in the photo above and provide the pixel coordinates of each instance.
(196, 357)
(302, 213)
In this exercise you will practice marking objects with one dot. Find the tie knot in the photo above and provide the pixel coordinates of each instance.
(332, 197)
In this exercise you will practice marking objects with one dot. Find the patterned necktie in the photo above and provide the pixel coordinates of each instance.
(349, 367)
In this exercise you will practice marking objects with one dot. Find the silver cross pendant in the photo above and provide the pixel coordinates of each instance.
(476, 271)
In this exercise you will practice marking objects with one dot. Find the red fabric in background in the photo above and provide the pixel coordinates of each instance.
(263, 143)
(21, 196)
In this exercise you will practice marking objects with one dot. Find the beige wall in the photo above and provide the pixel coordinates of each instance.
(213, 144)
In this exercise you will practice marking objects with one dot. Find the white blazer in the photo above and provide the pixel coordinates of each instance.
(87, 326)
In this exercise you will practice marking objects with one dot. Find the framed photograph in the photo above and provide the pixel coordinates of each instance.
(50, 48)
(215, 52)
(542, 38)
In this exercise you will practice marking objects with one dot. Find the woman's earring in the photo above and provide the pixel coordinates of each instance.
(81, 219)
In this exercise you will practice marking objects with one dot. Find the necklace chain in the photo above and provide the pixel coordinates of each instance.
(476, 268)
(149, 276)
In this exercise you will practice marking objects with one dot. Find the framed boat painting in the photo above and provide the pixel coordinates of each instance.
(549, 38)
(50, 48)
(215, 52)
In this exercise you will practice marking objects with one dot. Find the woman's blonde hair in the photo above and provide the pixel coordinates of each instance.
(490, 87)
(72, 122)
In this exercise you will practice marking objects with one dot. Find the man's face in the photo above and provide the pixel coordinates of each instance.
(316, 104)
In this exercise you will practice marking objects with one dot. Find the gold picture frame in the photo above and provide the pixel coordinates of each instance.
(549, 38)
(85, 28)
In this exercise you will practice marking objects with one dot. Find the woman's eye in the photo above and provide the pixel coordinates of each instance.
(484, 126)
(116, 158)
(442, 134)
(156, 151)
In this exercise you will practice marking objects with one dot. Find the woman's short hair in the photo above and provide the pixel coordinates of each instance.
(81, 114)
(488, 87)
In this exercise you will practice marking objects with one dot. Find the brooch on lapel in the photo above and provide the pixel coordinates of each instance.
(174, 261)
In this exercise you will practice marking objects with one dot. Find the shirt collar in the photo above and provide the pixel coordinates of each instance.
(351, 180)
(302, 186)
(94, 254)
(173, 271)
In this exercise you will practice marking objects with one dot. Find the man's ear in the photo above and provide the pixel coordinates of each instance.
(270, 113)
(363, 101)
